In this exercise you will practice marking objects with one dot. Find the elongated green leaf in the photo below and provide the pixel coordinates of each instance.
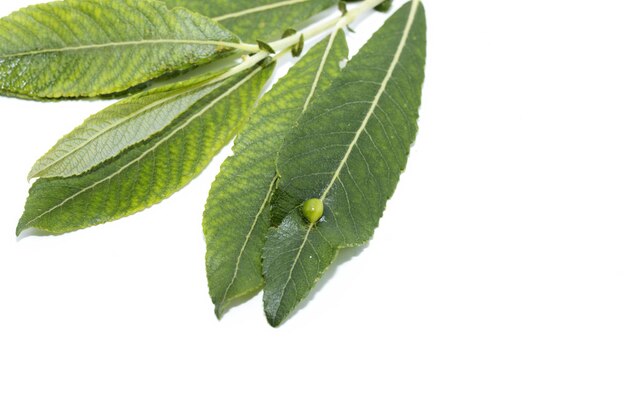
(150, 171)
(86, 48)
(236, 218)
(119, 126)
(257, 19)
(348, 151)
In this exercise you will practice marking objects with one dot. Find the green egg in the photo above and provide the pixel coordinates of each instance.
(313, 209)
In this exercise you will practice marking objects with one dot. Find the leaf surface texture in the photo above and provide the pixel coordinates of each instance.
(348, 150)
(119, 126)
(151, 170)
(257, 19)
(236, 217)
(87, 48)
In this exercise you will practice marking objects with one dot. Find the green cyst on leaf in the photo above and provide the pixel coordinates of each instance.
(313, 210)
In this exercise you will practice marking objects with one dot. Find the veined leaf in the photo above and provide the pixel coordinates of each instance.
(348, 150)
(119, 126)
(151, 170)
(257, 19)
(236, 218)
(86, 48)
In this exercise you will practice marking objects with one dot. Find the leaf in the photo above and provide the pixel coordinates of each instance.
(87, 48)
(236, 217)
(348, 150)
(256, 19)
(119, 126)
(151, 170)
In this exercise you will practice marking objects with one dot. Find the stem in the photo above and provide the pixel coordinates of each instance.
(248, 47)
(248, 63)
(338, 23)
(282, 46)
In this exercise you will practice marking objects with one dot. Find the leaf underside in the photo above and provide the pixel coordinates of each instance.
(257, 19)
(150, 171)
(87, 48)
(119, 126)
(236, 217)
(348, 150)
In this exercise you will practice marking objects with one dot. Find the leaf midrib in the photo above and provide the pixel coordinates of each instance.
(317, 78)
(148, 151)
(149, 42)
(117, 124)
(258, 9)
(383, 86)
(379, 94)
(268, 196)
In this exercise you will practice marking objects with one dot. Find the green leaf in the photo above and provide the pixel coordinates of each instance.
(119, 126)
(86, 48)
(348, 150)
(151, 170)
(236, 218)
(256, 19)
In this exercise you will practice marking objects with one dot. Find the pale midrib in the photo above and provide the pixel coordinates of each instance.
(258, 9)
(318, 75)
(316, 81)
(360, 131)
(148, 151)
(296, 259)
(320, 70)
(379, 94)
(120, 122)
(266, 200)
(233, 45)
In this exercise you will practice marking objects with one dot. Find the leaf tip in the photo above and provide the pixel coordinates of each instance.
(33, 174)
(219, 311)
(273, 321)
(21, 227)
(273, 316)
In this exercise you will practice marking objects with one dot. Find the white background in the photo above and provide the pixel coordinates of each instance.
(495, 285)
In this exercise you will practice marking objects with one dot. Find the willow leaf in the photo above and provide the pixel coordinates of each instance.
(236, 217)
(150, 171)
(256, 19)
(119, 126)
(86, 48)
(348, 150)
